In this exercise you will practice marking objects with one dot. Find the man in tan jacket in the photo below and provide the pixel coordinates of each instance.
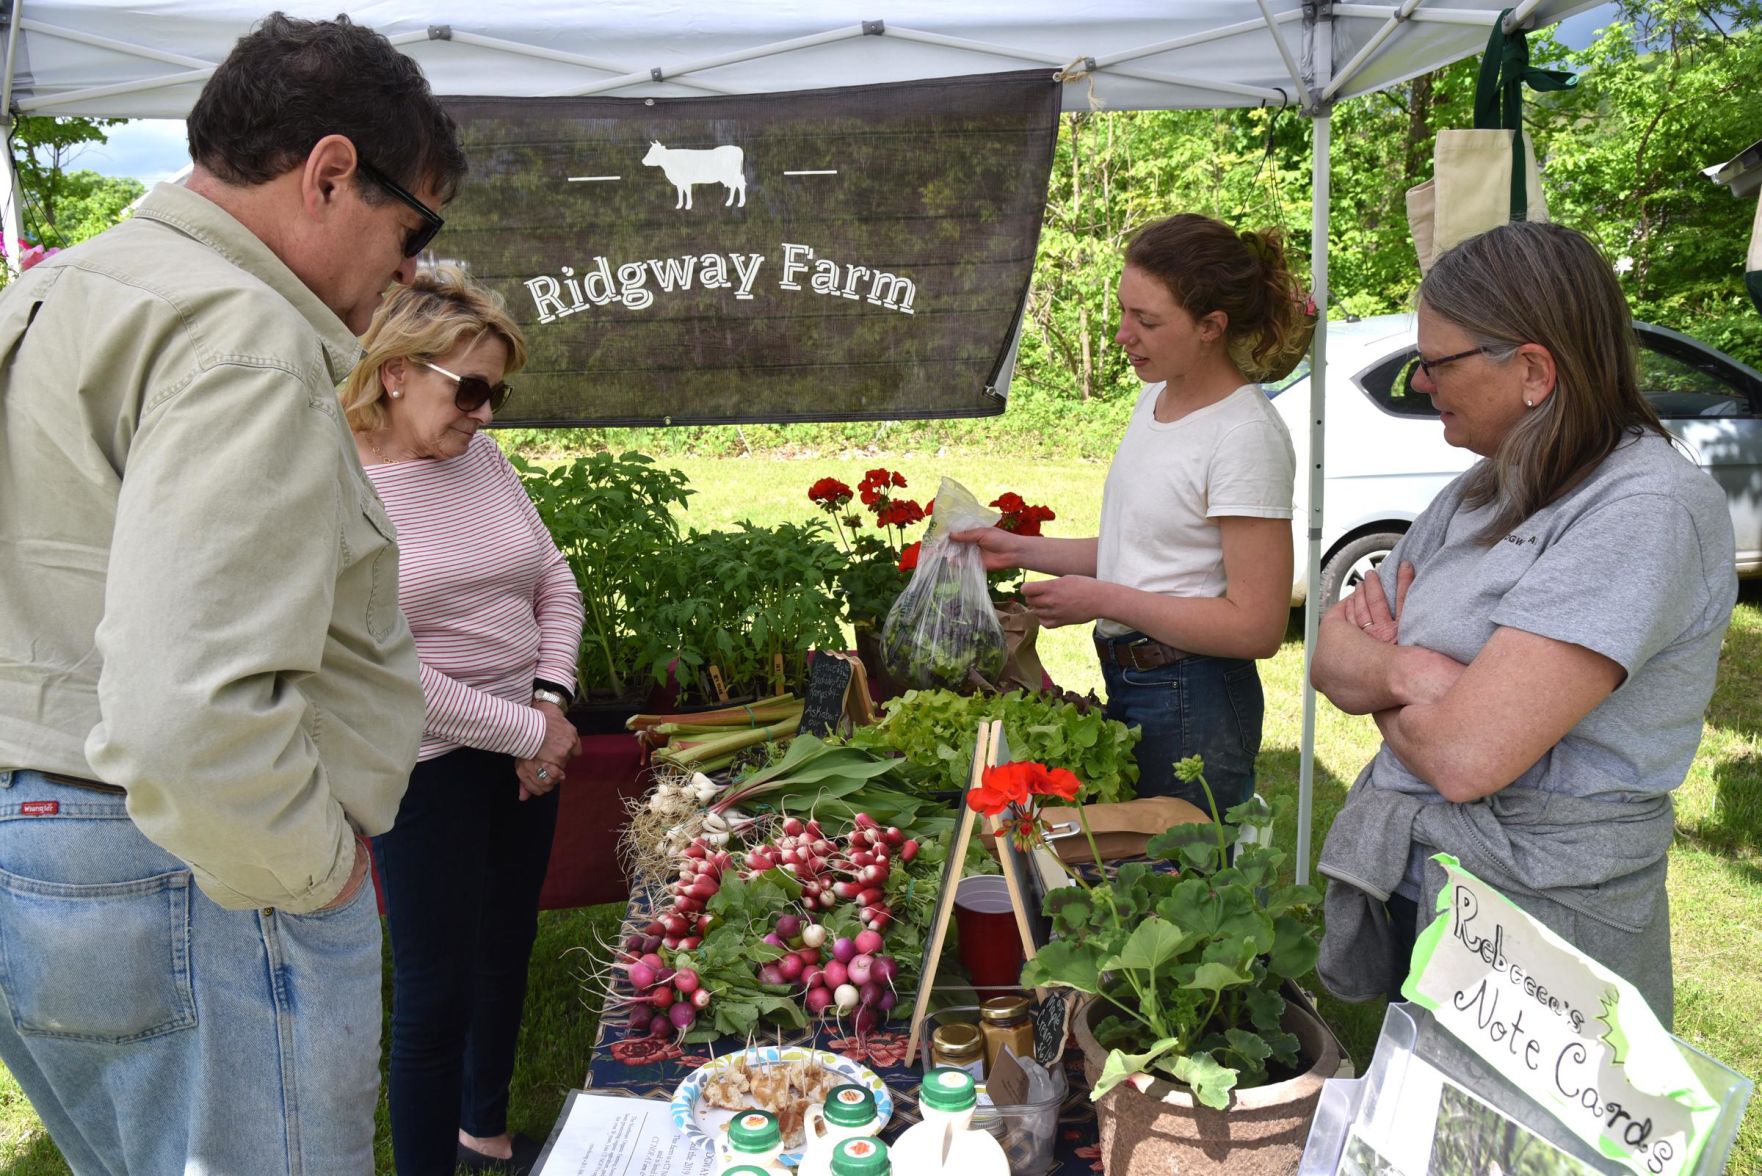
(206, 687)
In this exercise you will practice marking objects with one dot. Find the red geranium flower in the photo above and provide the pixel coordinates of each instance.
(1002, 786)
(908, 559)
(830, 493)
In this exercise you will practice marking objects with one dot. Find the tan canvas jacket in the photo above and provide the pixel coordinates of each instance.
(198, 584)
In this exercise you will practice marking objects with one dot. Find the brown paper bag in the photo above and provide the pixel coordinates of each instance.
(1021, 664)
(1121, 830)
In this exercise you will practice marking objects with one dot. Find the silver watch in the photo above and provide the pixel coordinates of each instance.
(551, 696)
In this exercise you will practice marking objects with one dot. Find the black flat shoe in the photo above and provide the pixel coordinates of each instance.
(521, 1163)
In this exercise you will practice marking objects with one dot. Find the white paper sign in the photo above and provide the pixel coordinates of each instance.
(1571, 1034)
(607, 1135)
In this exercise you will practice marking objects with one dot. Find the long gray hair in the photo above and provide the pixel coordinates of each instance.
(1545, 284)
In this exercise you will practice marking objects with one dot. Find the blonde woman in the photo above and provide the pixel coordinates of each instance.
(497, 619)
(1541, 647)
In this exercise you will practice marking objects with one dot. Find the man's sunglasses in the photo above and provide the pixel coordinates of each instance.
(417, 239)
(473, 390)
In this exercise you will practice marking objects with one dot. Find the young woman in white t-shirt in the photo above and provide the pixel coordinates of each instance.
(1190, 578)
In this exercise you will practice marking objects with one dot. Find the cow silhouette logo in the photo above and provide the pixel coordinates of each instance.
(687, 166)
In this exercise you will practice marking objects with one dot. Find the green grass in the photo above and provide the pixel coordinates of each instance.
(1715, 867)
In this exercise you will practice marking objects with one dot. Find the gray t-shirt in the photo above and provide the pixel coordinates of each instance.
(1635, 563)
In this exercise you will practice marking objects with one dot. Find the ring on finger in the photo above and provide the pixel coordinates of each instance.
(542, 774)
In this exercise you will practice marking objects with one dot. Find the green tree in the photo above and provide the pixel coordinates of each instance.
(62, 207)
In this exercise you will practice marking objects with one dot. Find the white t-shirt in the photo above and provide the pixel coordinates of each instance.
(1170, 483)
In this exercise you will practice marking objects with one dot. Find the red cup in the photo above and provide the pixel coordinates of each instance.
(990, 944)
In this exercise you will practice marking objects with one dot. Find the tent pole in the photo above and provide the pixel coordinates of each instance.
(1322, 127)
(11, 218)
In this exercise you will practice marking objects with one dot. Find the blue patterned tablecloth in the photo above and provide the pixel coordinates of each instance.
(652, 1068)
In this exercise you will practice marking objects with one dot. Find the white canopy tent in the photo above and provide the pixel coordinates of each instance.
(150, 58)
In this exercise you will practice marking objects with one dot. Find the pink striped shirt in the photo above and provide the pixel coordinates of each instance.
(492, 602)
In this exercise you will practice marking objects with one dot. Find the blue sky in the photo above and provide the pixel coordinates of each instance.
(152, 150)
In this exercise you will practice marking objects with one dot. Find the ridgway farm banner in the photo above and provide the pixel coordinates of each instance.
(860, 253)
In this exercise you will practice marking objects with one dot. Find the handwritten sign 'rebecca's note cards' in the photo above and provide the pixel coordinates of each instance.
(1570, 1033)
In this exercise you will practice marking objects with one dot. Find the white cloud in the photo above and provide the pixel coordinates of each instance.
(150, 150)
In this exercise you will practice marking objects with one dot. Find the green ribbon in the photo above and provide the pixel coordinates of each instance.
(1498, 97)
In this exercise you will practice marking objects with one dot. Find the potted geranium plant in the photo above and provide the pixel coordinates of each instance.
(1195, 1053)
(611, 515)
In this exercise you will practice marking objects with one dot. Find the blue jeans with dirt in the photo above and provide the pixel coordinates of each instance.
(1211, 707)
(156, 1032)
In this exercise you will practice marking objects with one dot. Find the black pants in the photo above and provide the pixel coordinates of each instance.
(462, 868)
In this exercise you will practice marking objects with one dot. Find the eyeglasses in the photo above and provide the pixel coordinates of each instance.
(474, 390)
(1430, 366)
(417, 239)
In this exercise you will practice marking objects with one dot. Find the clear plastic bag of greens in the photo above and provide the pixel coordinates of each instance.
(942, 630)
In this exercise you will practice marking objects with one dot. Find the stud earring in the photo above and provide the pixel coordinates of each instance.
(397, 392)
(1527, 402)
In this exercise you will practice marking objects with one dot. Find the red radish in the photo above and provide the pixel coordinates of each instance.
(660, 1027)
(808, 956)
(843, 949)
(876, 918)
(771, 938)
(864, 821)
(866, 1021)
(663, 975)
(816, 1000)
(759, 860)
(642, 977)
(793, 826)
(661, 997)
(836, 974)
(682, 1016)
(858, 969)
(788, 926)
(703, 889)
(872, 875)
(827, 901)
(893, 835)
(686, 981)
(671, 943)
(654, 961)
(687, 905)
(690, 943)
(888, 999)
(847, 890)
(870, 993)
(770, 974)
(812, 978)
(640, 1017)
(868, 943)
(700, 999)
(871, 896)
(909, 850)
(790, 966)
(885, 969)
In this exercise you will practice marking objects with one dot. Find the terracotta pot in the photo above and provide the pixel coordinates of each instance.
(1164, 1131)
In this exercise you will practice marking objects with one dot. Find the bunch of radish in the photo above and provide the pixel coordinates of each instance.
(682, 925)
(666, 1001)
(852, 978)
(856, 871)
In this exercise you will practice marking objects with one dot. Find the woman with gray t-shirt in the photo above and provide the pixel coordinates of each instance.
(1540, 648)
(1190, 578)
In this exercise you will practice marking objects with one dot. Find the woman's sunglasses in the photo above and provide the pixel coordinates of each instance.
(473, 390)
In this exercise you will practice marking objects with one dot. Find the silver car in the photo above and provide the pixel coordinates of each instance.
(1386, 456)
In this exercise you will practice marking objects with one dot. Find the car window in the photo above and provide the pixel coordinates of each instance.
(1682, 380)
(1273, 387)
(1390, 385)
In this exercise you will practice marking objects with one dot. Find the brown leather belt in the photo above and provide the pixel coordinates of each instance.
(1142, 654)
(79, 782)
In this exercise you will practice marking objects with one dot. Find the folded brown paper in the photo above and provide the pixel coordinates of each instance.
(1121, 830)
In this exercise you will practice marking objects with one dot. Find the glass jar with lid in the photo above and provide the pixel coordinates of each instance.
(1004, 1020)
(960, 1046)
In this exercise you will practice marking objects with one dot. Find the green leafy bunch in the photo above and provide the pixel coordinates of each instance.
(742, 600)
(1189, 963)
(612, 517)
(934, 731)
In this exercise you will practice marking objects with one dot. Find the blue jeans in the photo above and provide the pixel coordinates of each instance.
(1211, 707)
(155, 1032)
(462, 868)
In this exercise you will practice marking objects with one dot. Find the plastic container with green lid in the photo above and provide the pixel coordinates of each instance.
(861, 1157)
(754, 1140)
(748, 1170)
(849, 1105)
(949, 1090)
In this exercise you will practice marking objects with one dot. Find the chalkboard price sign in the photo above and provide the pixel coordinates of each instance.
(822, 710)
(1052, 1023)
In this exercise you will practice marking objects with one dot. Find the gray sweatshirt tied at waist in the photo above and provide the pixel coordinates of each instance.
(1591, 870)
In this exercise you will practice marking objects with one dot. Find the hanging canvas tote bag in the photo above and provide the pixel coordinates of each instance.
(1486, 176)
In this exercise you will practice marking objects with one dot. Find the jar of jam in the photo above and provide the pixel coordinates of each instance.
(958, 1045)
(1003, 1020)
